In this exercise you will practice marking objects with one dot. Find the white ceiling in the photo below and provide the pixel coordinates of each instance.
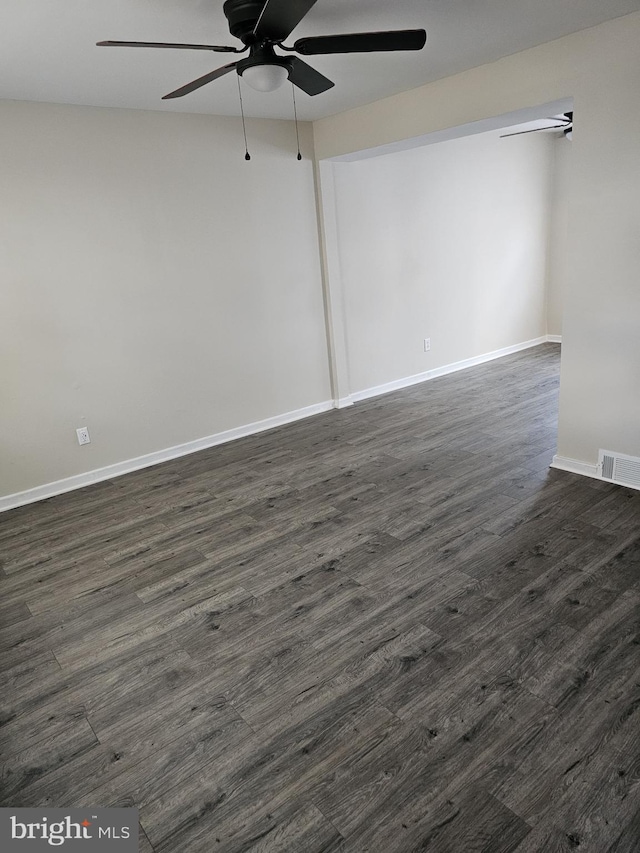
(48, 53)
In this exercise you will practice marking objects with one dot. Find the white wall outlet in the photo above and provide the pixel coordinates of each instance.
(427, 344)
(83, 435)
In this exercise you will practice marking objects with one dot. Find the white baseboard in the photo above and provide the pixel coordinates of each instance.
(563, 463)
(58, 487)
(343, 402)
(573, 466)
(554, 339)
(48, 490)
(407, 381)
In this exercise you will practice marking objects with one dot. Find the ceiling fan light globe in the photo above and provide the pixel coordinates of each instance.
(265, 78)
(568, 134)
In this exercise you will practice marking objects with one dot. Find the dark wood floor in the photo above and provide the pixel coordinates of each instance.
(388, 628)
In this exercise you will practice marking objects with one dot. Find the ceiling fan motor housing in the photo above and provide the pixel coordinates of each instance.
(263, 55)
(242, 16)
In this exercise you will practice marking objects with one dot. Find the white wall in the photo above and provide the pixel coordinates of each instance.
(559, 262)
(447, 241)
(600, 385)
(159, 289)
(600, 69)
(155, 286)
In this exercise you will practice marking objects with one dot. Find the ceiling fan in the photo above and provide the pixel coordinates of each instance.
(566, 125)
(262, 25)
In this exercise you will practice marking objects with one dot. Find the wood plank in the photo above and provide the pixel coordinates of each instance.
(386, 628)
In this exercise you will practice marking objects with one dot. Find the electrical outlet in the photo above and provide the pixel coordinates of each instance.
(83, 435)
(427, 344)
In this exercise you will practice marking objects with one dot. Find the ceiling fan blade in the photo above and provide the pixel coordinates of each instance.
(362, 42)
(280, 17)
(535, 130)
(201, 81)
(215, 47)
(307, 78)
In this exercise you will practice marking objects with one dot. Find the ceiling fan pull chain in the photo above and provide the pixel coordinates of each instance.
(295, 118)
(247, 156)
